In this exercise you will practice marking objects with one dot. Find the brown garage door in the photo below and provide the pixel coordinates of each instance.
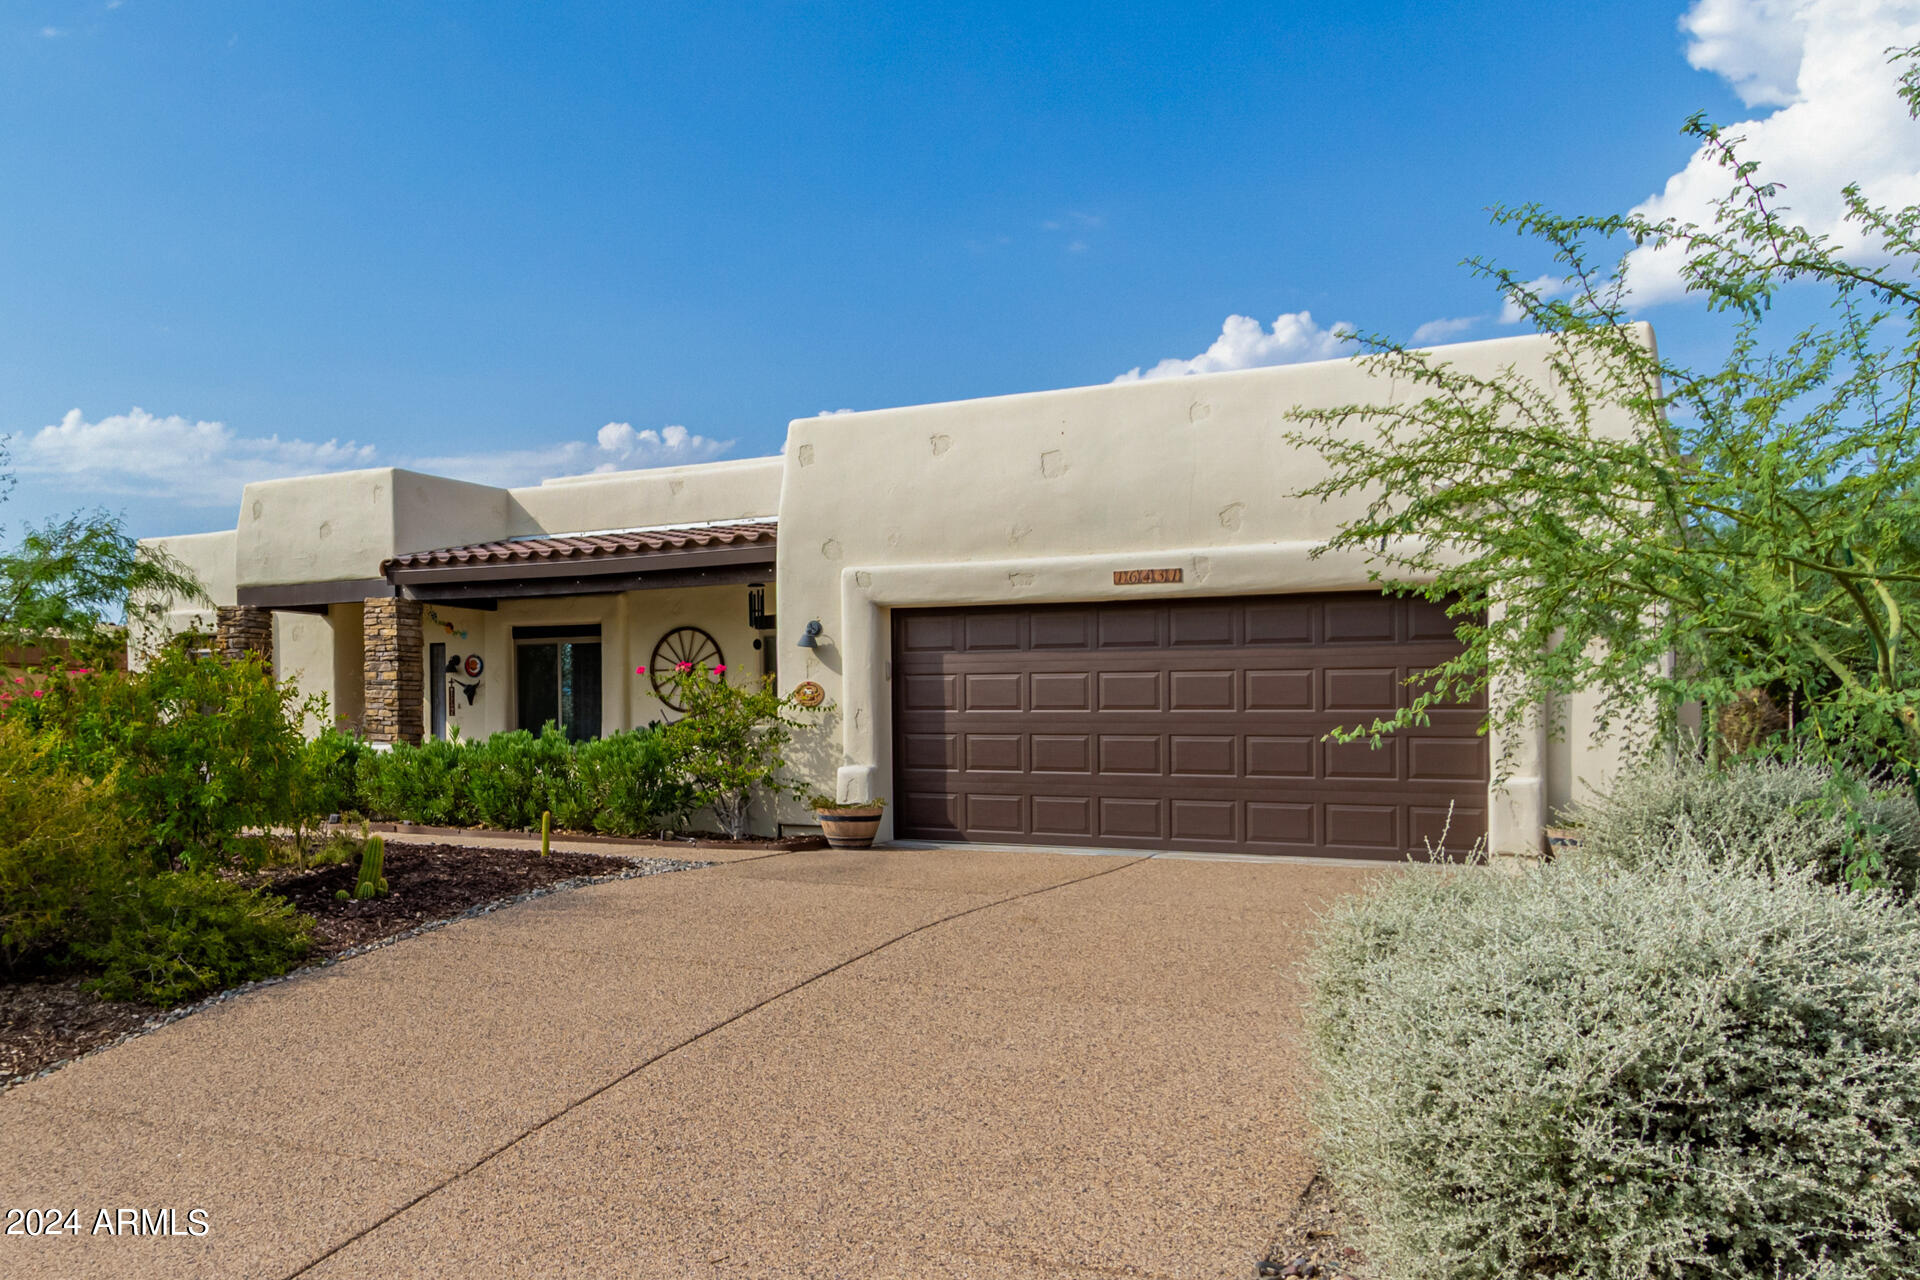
(1191, 724)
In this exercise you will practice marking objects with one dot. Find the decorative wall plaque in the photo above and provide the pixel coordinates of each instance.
(1140, 577)
(809, 694)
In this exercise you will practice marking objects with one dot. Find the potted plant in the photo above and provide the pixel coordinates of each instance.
(848, 826)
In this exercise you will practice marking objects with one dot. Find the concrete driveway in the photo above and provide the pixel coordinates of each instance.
(948, 1062)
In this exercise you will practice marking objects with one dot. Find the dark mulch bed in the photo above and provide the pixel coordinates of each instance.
(425, 882)
(44, 1021)
(689, 839)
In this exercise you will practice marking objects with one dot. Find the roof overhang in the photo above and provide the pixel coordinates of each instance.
(312, 597)
(587, 564)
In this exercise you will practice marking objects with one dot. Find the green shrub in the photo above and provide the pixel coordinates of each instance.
(622, 784)
(1764, 814)
(1674, 1070)
(197, 751)
(431, 783)
(625, 786)
(178, 935)
(63, 843)
(507, 777)
(331, 768)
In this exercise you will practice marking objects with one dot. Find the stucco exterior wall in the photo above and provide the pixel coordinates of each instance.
(695, 494)
(1040, 497)
(303, 645)
(340, 527)
(349, 703)
(211, 558)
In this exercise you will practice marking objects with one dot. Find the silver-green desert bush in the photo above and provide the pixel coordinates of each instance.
(1767, 815)
(1672, 1070)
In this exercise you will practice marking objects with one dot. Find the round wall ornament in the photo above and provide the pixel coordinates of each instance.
(809, 694)
(681, 650)
(473, 665)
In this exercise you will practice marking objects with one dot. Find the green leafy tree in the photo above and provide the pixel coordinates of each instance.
(1657, 533)
(731, 743)
(67, 579)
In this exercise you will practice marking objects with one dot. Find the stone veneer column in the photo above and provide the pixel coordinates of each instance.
(240, 629)
(394, 680)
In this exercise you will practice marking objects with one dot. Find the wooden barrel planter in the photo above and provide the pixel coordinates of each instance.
(851, 827)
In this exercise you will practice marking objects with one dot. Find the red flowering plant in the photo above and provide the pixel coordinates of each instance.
(730, 745)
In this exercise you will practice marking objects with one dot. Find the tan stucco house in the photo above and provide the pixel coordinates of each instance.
(1085, 617)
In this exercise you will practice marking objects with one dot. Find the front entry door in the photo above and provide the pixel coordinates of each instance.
(558, 681)
(437, 687)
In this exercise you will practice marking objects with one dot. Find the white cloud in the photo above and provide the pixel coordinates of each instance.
(206, 464)
(1547, 286)
(1823, 65)
(615, 447)
(52, 33)
(1441, 330)
(1075, 220)
(1244, 344)
(135, 454)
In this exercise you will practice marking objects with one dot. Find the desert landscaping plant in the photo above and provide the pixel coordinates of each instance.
(80, 891)
(68, 578)
(372, 881)
(63, 846)
(1620, 522)
(1680, 1071)
(197, 752)
(1767, 815)
(730, 745)
(618, 785)
(177, 935)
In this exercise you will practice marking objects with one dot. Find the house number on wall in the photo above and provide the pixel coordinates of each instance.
(1139, 577)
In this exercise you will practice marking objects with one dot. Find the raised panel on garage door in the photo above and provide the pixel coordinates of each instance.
(1182, 724)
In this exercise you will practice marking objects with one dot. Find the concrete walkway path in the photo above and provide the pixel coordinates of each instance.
(945, 1062)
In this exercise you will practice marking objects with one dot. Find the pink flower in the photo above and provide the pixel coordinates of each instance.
(720, 668)
(639, 671)
(39, 693)
(683, 666)
(79, 671)
(19, 679)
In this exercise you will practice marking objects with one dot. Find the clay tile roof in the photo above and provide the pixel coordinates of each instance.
(584, 548)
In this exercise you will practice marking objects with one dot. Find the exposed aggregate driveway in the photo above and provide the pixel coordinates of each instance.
(952, 1062)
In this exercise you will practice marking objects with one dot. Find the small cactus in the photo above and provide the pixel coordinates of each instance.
(546, 832)
(341, 895)
(373, 859)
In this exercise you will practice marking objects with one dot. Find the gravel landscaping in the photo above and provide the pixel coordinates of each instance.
(1317, 1241)
(47, 1021)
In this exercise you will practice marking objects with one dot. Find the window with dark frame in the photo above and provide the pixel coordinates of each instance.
(557, 679)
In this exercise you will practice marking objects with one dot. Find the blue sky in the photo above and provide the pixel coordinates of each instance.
(473, 235)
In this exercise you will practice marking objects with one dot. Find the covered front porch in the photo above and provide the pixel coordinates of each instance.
(473, 640)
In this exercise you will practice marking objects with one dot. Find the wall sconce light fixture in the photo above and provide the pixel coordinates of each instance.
(810, 639)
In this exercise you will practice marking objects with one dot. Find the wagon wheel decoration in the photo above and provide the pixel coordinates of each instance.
(689, 645)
